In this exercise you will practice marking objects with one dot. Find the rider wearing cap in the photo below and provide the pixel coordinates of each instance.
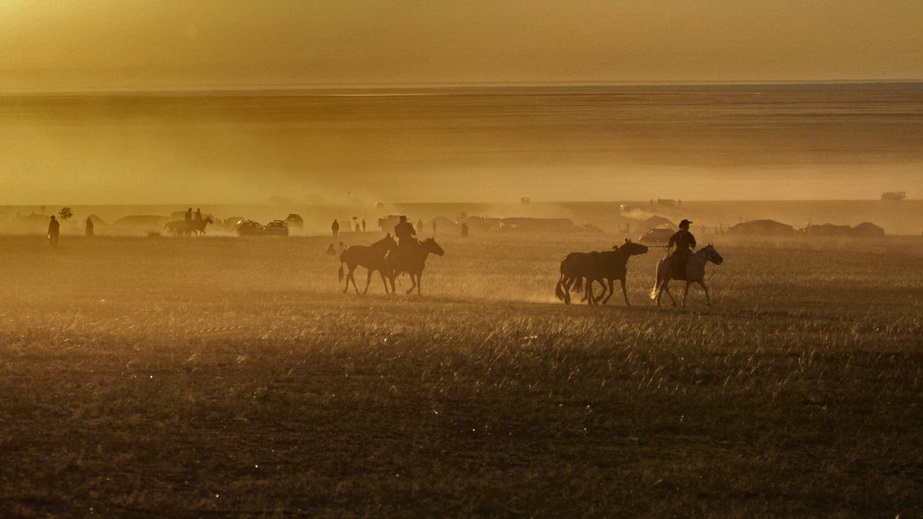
(684, 242)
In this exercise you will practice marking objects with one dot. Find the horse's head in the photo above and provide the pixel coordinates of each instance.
(712, 255)
(631, 248)
(432, 247)
(208, 219)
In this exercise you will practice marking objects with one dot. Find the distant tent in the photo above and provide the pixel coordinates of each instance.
(655, 222)
(867, 230)
(762, 228)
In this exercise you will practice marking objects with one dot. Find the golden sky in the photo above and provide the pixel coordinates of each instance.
(166, 44)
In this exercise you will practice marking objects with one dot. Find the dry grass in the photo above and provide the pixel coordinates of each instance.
(187, 378)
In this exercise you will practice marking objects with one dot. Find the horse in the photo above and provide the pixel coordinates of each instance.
(596, 266)
(371, 257)
(695, 273)
(198, 225)
(411, 259)
(187, 227)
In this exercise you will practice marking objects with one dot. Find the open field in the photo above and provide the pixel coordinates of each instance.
(151, 377)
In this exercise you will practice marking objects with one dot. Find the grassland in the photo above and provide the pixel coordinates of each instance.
(156, 377)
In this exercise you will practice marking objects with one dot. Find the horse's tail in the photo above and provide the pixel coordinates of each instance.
(657, 280)
(340, 273)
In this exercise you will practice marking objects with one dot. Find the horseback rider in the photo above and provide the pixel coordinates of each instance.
(684, 242)
(188, 216)
(405, 233)
(198, 215)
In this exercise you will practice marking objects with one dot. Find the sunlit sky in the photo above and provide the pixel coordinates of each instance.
(131, 152)
(166, 44)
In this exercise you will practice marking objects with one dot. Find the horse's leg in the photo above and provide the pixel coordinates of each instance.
(413, 283)
(666, 288)
(368, 281)
(624, 292)
(590, 298)
(350, 276)
(419, 282)
(611, 291)
(568, 281)
(602, 295)
(705, 288)
(686, 293)
(384, 280)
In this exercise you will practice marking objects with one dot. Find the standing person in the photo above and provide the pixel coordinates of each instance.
(54, 229)
(89, 227)
(464, 229)
(684, 242)
(363, 225)
(434, 227)
(335, 228)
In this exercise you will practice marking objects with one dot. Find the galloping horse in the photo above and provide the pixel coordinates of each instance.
(187, 227)
(596, 266)
(695, 273)
(371, 257)
(411, 259)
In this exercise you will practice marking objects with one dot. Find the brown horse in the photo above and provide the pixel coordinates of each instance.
(371, 257)
(411, 259)
(599, 267)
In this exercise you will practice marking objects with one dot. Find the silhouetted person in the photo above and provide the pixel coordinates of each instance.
(198, 215)
(188, 215)
(89, 227)
(363, 225)
(464, 229)
(335, 228)
(684, 242)
(434, 226)
(404, 232)
(420, 226)
(330, 250)
(54, 229)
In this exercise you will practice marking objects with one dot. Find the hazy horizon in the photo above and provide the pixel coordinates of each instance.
(810, 100)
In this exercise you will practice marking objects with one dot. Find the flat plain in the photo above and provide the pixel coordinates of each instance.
(172, 377)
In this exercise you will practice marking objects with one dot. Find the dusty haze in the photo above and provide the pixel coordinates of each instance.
(809, 141)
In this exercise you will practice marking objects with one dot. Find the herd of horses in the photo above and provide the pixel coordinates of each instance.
(579, 270)
(193, 227)
(389, 260)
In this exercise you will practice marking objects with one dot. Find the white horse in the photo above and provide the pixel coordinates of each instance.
(695, 273)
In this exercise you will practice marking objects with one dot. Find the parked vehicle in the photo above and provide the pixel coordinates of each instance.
(276, 228)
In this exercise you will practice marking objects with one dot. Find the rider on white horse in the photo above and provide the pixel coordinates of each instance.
(684, 242)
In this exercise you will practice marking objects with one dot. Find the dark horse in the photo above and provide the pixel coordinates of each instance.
(371, 257)
(596, 266)
(187, 227)
(411, 259)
